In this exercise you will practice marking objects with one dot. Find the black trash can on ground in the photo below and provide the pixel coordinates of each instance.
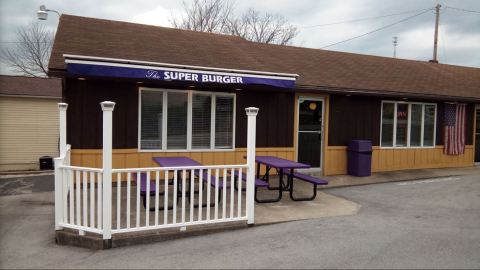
(359, 158)
(46, 163)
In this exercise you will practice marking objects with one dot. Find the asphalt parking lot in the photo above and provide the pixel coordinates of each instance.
(429, 223)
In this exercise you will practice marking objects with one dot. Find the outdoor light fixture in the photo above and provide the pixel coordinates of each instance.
(238, 89)
(191, 86)
(42, 13)
(81, 79)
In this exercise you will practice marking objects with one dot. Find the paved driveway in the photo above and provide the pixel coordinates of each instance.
(425, 224)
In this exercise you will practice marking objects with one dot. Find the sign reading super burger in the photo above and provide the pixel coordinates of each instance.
(194, 77)
(86, 68)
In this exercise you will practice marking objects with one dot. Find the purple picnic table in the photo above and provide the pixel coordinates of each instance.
(281, 165)
(185, 162)
(176, 162)
(164, 162)
(173, 162)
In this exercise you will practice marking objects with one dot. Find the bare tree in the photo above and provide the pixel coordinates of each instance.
(31, 52)
(266, 28)
(205, 16)
(218, 16)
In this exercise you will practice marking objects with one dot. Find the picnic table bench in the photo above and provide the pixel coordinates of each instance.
(285, 166)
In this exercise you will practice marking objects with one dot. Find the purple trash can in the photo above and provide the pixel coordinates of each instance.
(359, 158)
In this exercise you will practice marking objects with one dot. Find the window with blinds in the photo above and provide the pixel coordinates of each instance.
(181, 120)
(223, 122)
(177, 120)
(201, 121)
(152, 119)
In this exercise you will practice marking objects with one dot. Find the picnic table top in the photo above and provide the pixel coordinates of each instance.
(176, 161)
(280, 163)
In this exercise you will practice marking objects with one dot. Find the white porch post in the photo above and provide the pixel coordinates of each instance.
(107, 108)
(252, 119)
(59, 161)
(62, 107)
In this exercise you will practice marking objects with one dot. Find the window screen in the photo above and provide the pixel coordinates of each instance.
(402, 124)
(177, 120)
(416, 125)
(388, 111)
(224, 122)
(201, 121)
(429, 125)
(151, 120)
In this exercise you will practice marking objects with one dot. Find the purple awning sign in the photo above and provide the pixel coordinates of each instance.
(171, 74)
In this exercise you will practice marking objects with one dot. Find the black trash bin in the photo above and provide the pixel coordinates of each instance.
(359, 158)
(46, 163)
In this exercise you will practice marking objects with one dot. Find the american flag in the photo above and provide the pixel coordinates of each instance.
(454, 131)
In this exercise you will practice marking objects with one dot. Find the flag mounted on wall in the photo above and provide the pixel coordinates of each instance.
(454, 130)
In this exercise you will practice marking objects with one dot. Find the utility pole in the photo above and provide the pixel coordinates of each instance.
(395, 43)
(435, 39)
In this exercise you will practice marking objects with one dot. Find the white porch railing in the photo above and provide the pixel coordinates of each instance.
(177, 197)
(149, 198)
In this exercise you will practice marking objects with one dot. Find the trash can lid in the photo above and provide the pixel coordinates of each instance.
(360, 145)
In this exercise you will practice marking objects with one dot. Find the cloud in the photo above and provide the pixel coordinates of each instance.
(158, 16)
(459, 32)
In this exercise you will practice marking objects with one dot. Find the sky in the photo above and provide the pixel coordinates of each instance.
(459, 32)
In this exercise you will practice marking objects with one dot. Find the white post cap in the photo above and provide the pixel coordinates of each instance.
(62, 106)
(107, 105)
(251, 111)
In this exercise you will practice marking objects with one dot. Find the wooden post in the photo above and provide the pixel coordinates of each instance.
(435, 39)
(251, 126)
(107, 108)
(62, 108)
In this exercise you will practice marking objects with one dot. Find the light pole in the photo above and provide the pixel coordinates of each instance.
(395, 44)
(42, 13)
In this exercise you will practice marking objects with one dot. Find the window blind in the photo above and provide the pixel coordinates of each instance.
(429, 126)
(224, 122)
(416, 125)
(177, 120)
(151, 120)
(201, 121)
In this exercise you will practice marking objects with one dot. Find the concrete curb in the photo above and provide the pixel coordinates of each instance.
(95, 242)
(394, 176)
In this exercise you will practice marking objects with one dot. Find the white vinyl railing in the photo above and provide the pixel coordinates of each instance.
(82, 198)
(108, 201)
(176, 197)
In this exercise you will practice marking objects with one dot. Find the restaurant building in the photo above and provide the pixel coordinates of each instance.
(182, 93)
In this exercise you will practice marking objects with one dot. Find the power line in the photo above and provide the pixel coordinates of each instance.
(464, 10)
(378, 29)
(363, 19)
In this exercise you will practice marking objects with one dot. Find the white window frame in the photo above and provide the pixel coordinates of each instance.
(190, 94)
(408, 125)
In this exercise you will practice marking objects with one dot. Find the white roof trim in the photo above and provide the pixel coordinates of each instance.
(150, 64)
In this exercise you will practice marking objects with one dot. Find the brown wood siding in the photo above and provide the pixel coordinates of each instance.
(274, 121)
(354, 117)
(84, 129)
